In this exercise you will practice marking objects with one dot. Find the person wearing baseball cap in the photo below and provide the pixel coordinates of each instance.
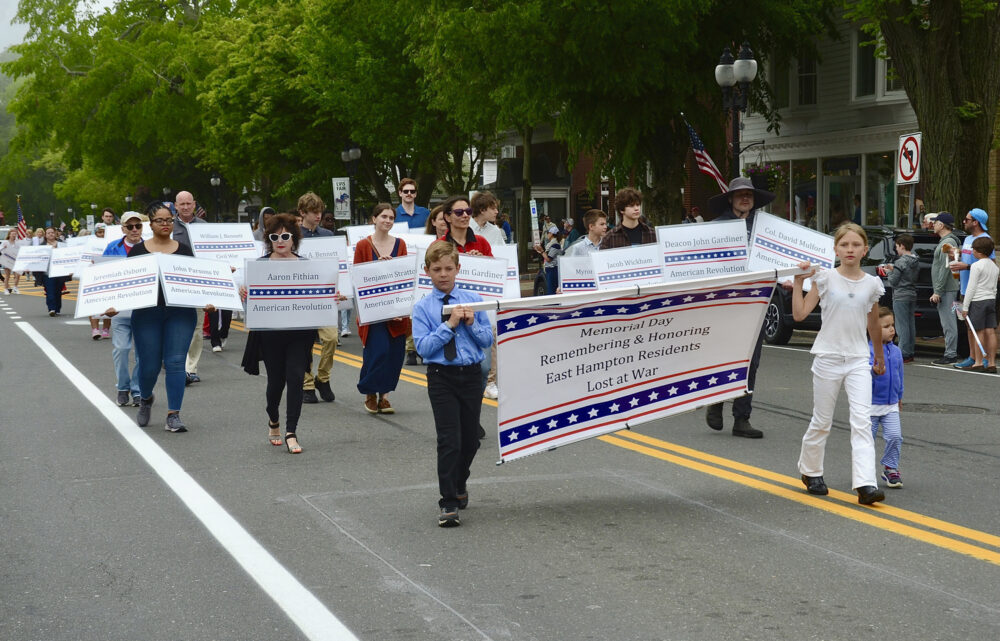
(945, 286)
(127, 380)
(975, 224)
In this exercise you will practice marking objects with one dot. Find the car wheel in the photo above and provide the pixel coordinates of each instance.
(776, 330)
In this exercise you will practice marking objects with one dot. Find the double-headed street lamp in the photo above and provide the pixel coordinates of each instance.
(735, 77)
(216, 181)
(350, 156)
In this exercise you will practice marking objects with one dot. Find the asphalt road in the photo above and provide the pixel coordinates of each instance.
(668, 531)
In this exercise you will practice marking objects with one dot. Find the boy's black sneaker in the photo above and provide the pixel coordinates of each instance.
(449, 517)
(309, 396)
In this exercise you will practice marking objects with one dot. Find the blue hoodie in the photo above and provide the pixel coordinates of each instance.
(887, 389)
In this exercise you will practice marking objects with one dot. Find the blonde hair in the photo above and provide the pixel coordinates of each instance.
(849, 227)
(438, 250)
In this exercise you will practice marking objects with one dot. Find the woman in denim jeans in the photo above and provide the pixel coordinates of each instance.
(162, 334)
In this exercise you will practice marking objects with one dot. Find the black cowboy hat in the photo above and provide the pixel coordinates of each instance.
(719, 203)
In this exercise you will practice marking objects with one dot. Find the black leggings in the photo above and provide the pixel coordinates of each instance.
(287, 354)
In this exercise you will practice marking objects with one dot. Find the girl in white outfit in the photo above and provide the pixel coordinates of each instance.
(850, 306)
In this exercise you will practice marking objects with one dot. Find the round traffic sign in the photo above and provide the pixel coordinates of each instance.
(909, 158)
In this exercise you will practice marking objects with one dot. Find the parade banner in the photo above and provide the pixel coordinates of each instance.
(573, 370)
(483, 275)
(513, 287)
(33, 258)
(291, 294)
(627, 266)
(91, 252)
(384, 288)
(230, 243)
(65, 260)
(576, 274)
(196, 282)
(423, 286)
(324, 248)
(125, 284)
(708, 249)
(73, 241)
(777, 243)
(8, 256)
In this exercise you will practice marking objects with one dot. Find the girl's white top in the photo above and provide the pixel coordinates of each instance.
(982, 282)
(844, 305)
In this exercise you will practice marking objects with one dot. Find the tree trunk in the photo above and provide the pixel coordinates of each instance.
(523, 221)
(949, 64)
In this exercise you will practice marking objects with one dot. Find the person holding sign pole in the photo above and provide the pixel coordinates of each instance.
(162, 334)
(849, 307)
(385, 342)
(740, 201)
(287, 353)
(452, 346)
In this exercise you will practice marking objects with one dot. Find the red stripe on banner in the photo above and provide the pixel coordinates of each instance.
(723, 303)
(261, 299)
(273, 286)
(801, 251)
(619, 390)
(625, 416)
(116, 289)
(699, 262)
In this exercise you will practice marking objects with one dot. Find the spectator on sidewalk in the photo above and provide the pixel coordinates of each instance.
(945, 286)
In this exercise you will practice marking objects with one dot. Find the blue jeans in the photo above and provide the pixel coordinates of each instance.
(949, 324)
(551, 280)
(906, 326)
(345, 321)
(121, 345)
(162, 336)
(53, 292)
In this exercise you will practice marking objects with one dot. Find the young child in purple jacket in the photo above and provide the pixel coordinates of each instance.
(887, 398)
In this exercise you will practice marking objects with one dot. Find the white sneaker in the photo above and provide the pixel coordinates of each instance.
(491, 391)
(16, 291)
(217, 348)
(346, 332)
(223, 343)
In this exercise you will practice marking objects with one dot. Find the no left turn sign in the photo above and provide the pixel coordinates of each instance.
(908, 159)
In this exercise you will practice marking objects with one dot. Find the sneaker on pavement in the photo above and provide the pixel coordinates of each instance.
(136, 400)
(52, 313)
(945, 360)
(174, 423)
(123, 398)
(190, 379)
(16, 290)
(105, 333)
(217, 348)
(449, 517)
(491, 391)
(309, 396)
(223, 343)
(966, 364)
(145, 409)
(95, 334)
(346, 332)
(892, 478)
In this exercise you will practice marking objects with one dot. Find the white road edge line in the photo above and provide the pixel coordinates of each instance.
(302, 607)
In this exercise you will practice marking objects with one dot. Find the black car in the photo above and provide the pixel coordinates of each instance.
(778, 321)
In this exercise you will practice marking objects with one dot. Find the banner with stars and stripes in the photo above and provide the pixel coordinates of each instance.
(292, 294)
(628, 266)
(777, 243)
(124, 284)
(197, 282)
(383, 289)
(708, 249)
(576, 274)
(575, 370)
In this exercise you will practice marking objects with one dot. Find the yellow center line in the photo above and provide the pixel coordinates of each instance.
(873, 516)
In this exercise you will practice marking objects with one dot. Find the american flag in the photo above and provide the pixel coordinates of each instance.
(705, 164)
(22, 229)
(199, 211)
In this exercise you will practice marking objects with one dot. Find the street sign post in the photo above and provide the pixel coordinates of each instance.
(908, 159)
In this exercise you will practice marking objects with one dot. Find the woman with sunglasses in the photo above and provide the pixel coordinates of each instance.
(162, 334)
(458, 214)
(385, 342)
(287, 353)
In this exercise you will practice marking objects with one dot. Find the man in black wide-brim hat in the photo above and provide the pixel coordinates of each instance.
(741, 200)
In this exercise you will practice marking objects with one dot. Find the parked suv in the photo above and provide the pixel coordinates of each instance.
(778, 321)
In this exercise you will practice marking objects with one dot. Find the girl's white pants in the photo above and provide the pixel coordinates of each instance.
(829, 372)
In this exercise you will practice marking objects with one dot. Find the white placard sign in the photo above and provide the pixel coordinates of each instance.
(8, 256)
(73, 241)
(700, 251)
(291, 294)
(582, 367)
(576, 274)
(483, 275)
(131, 283)
(196, 282)
(356, 232)
(628, 266)
(323, 247)
(345, 287)
(415, 241)
(384, 288)
(777, 243)
(64, 260)
(423, 285)
(231, 243)
(513, 287)
(33, 258)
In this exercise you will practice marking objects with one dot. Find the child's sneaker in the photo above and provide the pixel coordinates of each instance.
(892, 478)
(105, 333)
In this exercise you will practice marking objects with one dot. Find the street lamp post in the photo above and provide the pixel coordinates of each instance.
(350, 157)
(166, 193)
(734, 77)
(216, 181)
(128, 202)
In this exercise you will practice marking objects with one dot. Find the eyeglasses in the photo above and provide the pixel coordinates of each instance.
(461, 212)
(408, 191)
(133, 226)
(162, 221)
(285, 236)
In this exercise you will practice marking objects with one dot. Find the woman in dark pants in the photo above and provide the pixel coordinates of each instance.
(53, 285)
(287, 353)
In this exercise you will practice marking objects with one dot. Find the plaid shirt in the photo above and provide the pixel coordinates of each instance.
(618, 237)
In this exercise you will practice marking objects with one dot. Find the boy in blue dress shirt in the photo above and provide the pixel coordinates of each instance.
(452, 347)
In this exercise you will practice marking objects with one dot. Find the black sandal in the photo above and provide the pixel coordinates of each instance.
(292, 449)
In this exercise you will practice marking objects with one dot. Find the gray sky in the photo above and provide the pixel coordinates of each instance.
(9, 34)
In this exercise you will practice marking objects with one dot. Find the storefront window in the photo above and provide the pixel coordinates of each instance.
(803, 190)
(880, 191)
(841, 191)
